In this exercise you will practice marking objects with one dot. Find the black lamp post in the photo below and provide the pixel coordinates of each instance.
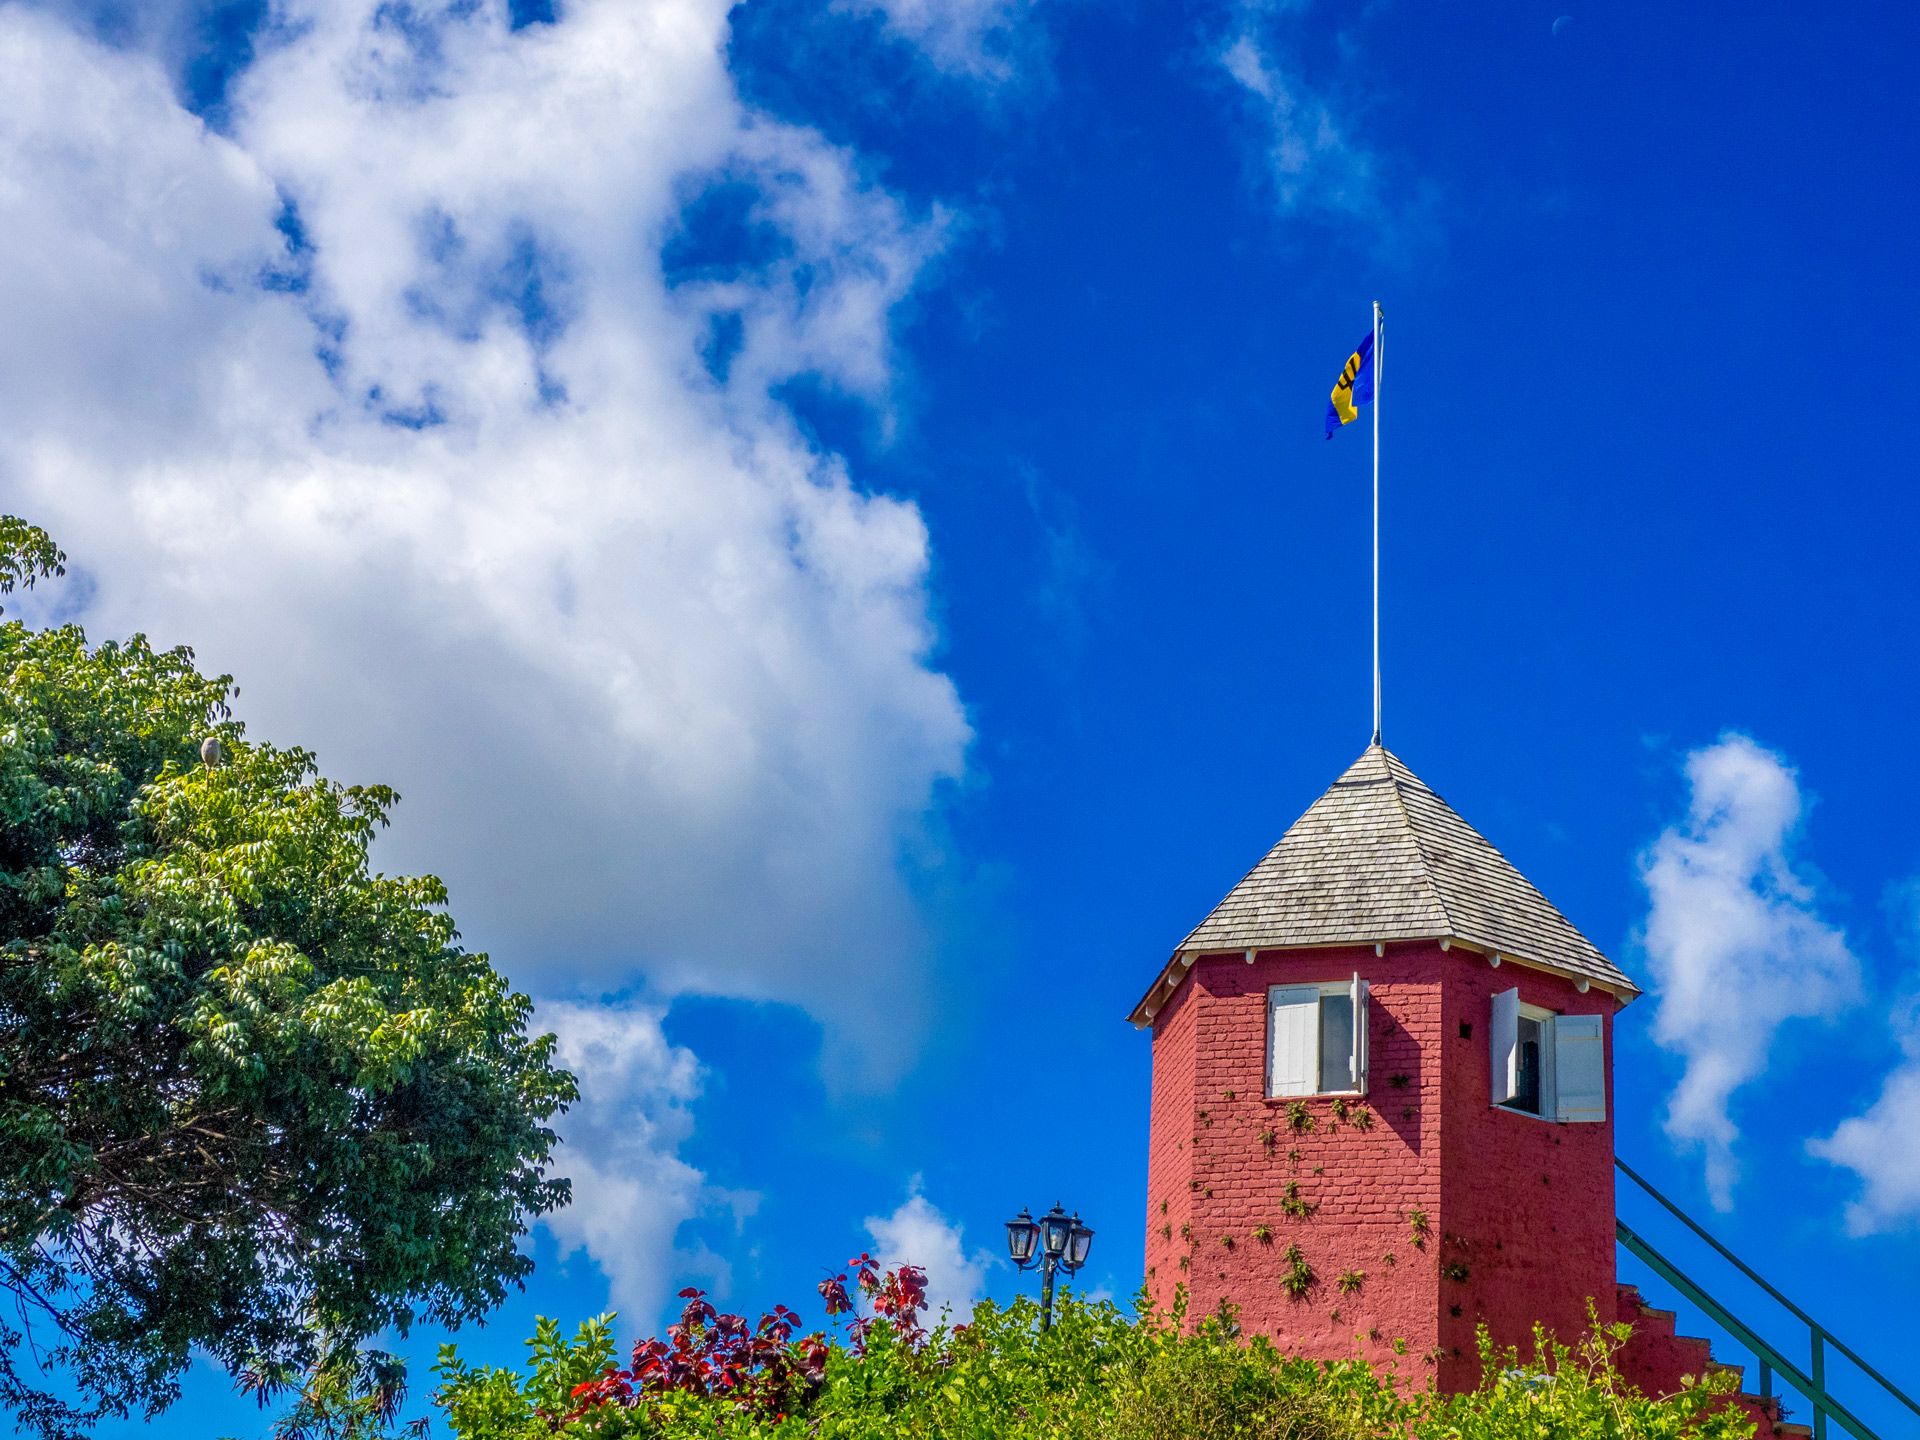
(1056, 1241)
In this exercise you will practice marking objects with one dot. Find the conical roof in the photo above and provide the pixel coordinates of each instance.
(1380, 857)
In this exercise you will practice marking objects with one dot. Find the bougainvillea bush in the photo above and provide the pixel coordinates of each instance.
(1098, 1374)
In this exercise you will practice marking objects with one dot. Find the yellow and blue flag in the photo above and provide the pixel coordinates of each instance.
(1353, 389)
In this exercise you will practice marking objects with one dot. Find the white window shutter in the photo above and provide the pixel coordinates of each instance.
(1293, 1040)
(1359, 1062)
(1505, 1034)
(1579, 1068)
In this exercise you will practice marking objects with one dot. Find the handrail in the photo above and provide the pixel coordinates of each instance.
(1770, 1358)
(1814, 1386)
(1695, 1226)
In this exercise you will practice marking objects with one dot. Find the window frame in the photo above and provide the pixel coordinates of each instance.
(1549, 1088)
(1574, 1043)
(1356, 1055)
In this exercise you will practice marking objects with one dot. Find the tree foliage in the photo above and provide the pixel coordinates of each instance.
(1097, 1374)
(254, 1097)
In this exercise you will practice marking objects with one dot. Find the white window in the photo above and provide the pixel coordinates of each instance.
(1317, 1038)
(1549, 1065)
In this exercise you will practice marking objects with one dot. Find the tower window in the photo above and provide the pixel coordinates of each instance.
(1317, 1038)
(1532, 1041)
(1545, 1064)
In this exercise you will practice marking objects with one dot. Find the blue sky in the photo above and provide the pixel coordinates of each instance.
(822, 512)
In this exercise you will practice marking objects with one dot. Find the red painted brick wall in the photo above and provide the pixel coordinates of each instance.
(1225, 1161)
(1223, 1158)
(1526, 1204)
(1170, 1152)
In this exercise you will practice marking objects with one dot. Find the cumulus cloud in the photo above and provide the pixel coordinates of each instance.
(631, 1189)
(1882, 1144)
(1734, 941)
(1882, 1147)
(436, 394)
(918, 1234)
(436, 398)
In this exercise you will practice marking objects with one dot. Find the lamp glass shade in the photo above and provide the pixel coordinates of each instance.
(1054, 1227)
(1079, 1242)
(1022, 1235)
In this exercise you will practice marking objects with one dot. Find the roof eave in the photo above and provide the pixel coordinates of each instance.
(1183, 959)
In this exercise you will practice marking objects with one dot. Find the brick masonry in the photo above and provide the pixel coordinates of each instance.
(1518, 1212)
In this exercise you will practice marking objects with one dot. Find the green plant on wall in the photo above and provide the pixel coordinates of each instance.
(1421, 1227)
(1299, 1277)
(1350, 1281)
(1300, 1119)
(1293, 1205)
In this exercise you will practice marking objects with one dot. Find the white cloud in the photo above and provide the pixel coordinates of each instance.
(1734, 941)
(978, 39)
(653, 672)
(1882, 1147)
(631, 1190)
(1313, 164)
(918, 1234)
(392, 398)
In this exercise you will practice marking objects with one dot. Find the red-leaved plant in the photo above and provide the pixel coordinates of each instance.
(760, 1368)
(896, 1296)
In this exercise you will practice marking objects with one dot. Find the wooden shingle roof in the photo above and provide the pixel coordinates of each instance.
(1380, 857)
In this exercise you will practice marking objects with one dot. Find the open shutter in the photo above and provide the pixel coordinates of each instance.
(1579, 1068)
(1505, 1032)
(1293, 1040)
(1359, 1062)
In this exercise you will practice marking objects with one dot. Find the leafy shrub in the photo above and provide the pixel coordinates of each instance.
(1574, 1391)
(1097, 1374)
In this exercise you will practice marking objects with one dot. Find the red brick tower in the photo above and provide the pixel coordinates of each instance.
(1380, 1080)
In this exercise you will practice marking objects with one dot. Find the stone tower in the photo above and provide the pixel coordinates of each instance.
(1381, 1075)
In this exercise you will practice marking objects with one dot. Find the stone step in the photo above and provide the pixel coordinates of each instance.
(1658, 1356)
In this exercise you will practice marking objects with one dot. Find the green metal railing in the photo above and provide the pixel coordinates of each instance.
(1811, 1382)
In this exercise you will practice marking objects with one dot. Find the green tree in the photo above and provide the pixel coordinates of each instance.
(254, 1096)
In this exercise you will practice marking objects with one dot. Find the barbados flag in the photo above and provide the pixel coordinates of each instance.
(1353, 389)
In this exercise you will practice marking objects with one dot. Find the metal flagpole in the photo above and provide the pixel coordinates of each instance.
(1376, 522)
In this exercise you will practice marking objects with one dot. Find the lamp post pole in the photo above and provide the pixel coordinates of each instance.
(1056, 1241)
(1046, 1292)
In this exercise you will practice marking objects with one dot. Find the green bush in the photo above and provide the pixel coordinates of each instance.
(1098, 1374)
